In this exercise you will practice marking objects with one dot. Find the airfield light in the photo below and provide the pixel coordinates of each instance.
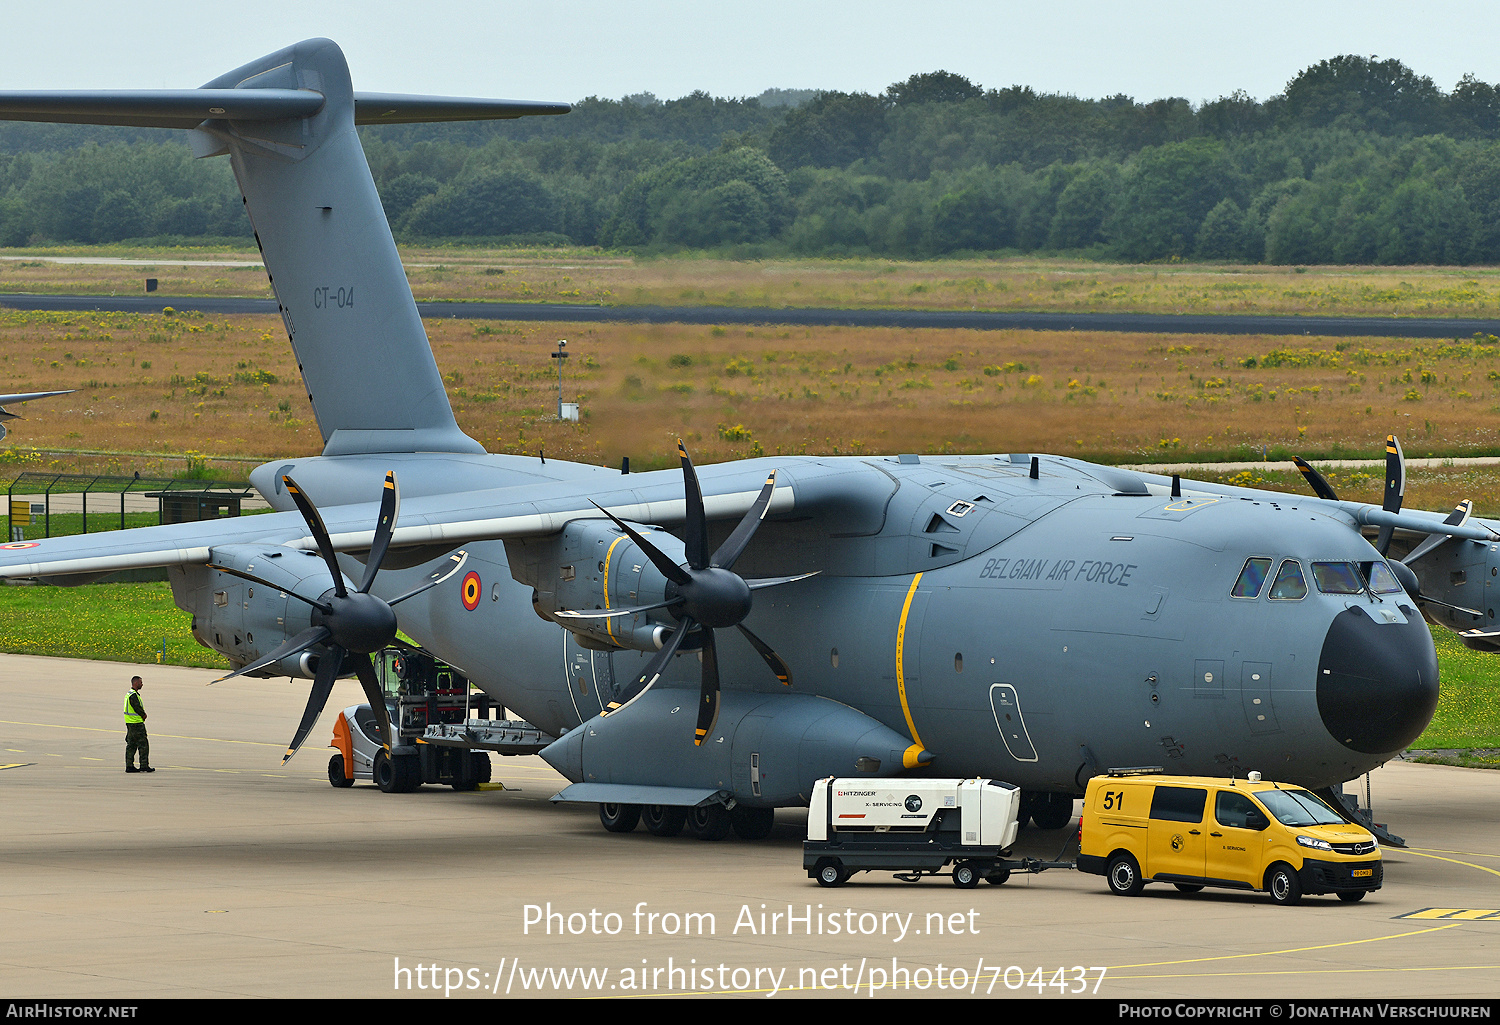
(560, 355)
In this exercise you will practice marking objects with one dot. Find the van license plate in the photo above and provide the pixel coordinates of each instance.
(1362, 873)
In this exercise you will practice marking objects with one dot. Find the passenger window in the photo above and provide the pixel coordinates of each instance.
(1289, 583)
(1178, 804)
(1237, 810)
(1251, 577)
(1337, 578)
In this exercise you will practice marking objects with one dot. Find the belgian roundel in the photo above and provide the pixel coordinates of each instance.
(471, 591)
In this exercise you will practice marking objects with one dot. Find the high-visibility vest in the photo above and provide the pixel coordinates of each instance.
(132, 716)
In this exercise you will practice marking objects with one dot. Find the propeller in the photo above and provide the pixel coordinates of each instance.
(704, 596)
(1394, 493)
(348, 624)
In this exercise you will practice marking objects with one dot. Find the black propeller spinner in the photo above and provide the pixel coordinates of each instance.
(704, 595)
(350, 625)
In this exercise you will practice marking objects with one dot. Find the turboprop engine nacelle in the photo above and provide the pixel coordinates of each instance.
(243, 620)
(592, 564)
(1465, 574)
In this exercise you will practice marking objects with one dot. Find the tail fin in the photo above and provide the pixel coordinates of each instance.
(287, 123)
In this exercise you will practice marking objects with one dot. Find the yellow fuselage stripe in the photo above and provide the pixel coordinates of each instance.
(901, 657)
(607, 628)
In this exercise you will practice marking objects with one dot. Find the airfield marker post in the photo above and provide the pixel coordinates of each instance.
(560, 355)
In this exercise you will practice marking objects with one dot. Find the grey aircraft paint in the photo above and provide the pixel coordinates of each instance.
(1031, 618)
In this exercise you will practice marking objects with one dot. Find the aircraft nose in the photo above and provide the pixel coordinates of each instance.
(1377, 682)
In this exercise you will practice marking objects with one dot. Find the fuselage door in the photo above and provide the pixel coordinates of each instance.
(1006, 704)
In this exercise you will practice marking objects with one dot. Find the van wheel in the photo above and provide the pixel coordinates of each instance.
(1283, 885)
(1124, 876)
(1350, 896)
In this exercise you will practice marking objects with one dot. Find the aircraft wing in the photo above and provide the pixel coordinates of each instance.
(6, 400)
(436, 520)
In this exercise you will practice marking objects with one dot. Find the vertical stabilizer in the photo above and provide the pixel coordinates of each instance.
(359, 341)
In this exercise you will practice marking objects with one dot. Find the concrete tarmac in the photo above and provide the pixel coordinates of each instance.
(224, 874)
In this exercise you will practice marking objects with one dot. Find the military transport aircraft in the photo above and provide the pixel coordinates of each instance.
(1023, 616)
(10, 400)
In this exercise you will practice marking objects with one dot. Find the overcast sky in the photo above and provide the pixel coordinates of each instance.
(522, 49)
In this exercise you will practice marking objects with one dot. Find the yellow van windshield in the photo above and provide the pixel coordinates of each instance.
(1298, 808)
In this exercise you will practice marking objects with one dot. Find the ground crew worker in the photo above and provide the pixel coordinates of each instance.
(135, 729)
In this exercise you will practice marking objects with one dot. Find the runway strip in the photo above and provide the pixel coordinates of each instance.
(973, 320)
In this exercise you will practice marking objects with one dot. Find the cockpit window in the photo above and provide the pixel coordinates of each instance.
(1382, 580)
(1337, 578)
(1289, 584)
(1251, 577)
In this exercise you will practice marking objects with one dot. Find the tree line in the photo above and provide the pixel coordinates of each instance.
(1357, 161)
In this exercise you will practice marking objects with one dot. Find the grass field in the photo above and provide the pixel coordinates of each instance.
(1022, 283)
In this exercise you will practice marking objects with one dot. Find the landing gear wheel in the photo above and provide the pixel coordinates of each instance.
(1284, 886)
(966, 875)
(752, 823)
(619, 818)
(708, 822)
(831, 873)
(1350, 896)
(997, 877)
(1188, 887)
(336, 772)
(663, 820)
(1052, 811)
(1124, 876)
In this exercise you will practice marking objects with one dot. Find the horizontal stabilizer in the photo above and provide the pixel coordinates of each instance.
(159, 108)
(189, 108)
(398, 109)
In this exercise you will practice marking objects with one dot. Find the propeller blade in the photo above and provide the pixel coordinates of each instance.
(695, 527)
(654, 668)
(612, 613)
(328, 672)
(1457, 518)
(1316, 480)
(760, 583)
(708, 703)
(320, 606)
(390, 506)
(782, 671)
(458, 559)
(365, 670)
(319, 533)
(733, 545)
(659, 559)
(1395, 489)
(292, 646)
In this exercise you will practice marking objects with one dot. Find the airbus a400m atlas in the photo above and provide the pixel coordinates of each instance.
(1028, 617)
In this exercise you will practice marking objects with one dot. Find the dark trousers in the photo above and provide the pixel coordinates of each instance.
(135, 740)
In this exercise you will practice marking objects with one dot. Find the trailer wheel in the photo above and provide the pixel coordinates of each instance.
(1124, 875)
(831, 873)
(663, 819)
(336, 772)
(966, 875)
(619, 818)
(998, 877)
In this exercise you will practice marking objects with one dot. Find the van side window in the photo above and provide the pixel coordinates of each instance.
(1237, 810)
(1178, 804)
(1251, 577)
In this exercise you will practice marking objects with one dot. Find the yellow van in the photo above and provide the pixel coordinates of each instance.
(1197, 831)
